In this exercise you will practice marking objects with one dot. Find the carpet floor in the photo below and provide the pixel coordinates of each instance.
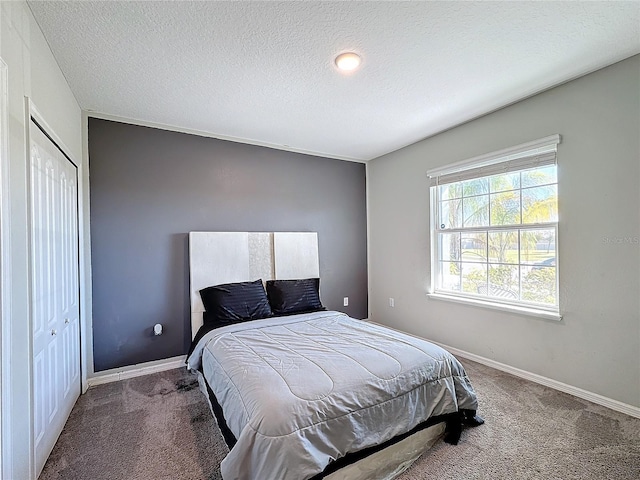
(159, 427)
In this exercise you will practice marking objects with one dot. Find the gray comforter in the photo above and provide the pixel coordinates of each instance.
(300, 391)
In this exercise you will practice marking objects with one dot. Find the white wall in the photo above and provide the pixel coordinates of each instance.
(32, 72)
(596, 347)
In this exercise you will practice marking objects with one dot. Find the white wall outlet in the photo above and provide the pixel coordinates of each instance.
(392, 302)
(345, 301)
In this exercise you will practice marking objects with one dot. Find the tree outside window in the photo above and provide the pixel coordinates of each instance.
(497, 236)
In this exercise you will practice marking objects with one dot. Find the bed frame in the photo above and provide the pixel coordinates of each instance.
(225, 257)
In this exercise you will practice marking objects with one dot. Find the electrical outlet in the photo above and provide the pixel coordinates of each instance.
(346, 301)
(392, 302)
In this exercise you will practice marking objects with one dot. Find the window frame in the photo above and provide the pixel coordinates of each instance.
(483, 166)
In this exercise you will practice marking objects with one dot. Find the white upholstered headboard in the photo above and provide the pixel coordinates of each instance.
(226, 257)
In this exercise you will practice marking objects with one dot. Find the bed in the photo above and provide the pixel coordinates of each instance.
(310, 393)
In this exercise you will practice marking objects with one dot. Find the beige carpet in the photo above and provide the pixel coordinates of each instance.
(159, 427)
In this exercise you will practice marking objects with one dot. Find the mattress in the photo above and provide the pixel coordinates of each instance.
(302, 391)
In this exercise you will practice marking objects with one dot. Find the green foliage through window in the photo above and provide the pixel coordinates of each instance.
(496, 236)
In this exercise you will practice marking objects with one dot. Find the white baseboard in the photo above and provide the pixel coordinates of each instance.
(548, 382)
(116, 374)
(616, 405)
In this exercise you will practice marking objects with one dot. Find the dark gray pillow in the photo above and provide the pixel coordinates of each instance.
(236, 302)
(287, 297)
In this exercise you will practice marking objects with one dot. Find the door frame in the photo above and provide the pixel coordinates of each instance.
(5, 279)
(33, 114)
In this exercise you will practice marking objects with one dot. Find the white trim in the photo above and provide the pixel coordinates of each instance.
(34, 113)
(138, 370)
(518, 309)
(30, 399)
(542, 145)
(367, 193)
(84, 245)
(230, 138)
(5, 282)
(596, 398)
(433, 237)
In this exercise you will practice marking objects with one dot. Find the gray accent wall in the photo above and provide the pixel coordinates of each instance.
(596, 346)
(150, 187)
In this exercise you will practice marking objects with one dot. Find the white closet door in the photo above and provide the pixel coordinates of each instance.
(54, 291)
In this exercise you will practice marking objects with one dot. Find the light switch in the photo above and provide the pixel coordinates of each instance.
(346, 301)
(392, 302)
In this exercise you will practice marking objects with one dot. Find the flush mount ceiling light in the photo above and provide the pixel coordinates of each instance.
(348, 61)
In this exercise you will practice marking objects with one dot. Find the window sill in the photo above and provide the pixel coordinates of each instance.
(521, 310)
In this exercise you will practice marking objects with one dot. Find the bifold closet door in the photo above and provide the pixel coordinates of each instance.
(54, 291)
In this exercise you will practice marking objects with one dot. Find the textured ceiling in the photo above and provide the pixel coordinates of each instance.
(263, 73)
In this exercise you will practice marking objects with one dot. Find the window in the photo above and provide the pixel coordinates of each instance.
(495, 228)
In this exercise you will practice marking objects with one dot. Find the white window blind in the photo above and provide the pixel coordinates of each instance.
(534, 154)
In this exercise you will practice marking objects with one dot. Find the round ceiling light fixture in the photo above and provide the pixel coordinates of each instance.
(348, 61)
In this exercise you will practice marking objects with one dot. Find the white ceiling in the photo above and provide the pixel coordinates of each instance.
(263, 73)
